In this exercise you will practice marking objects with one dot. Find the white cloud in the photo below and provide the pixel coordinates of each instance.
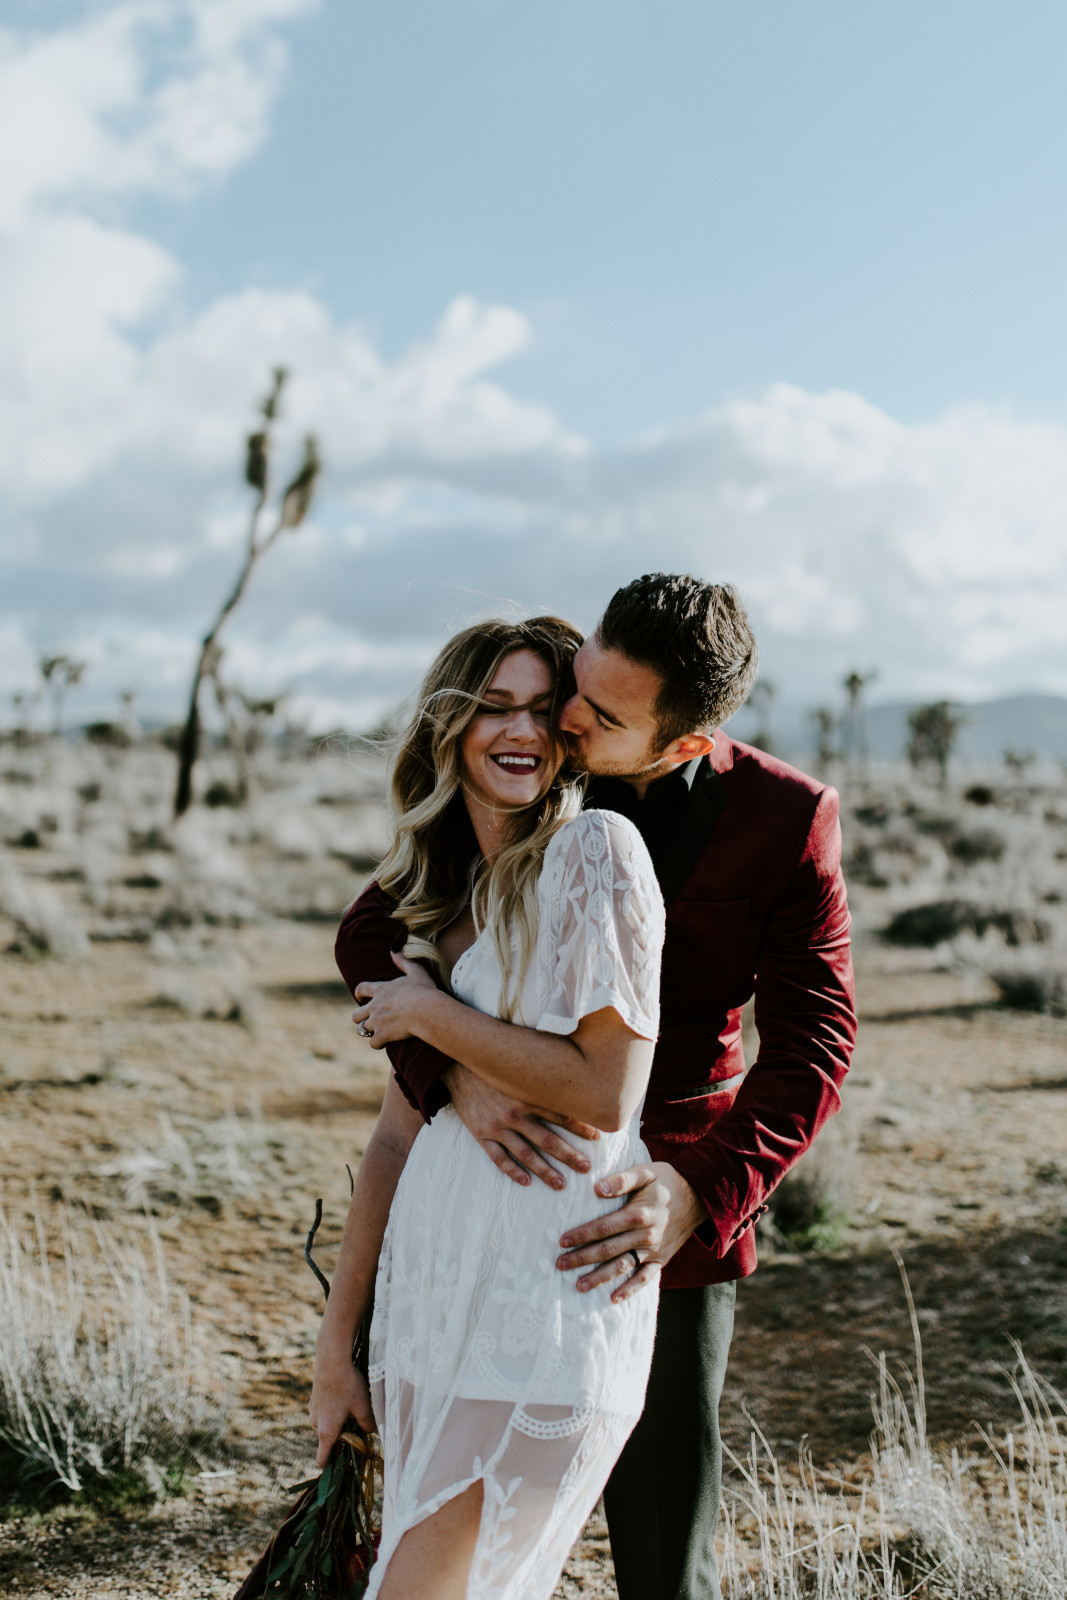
(935, 551)
(86, 111)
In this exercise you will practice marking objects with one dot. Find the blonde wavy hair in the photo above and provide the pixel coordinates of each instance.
(433, 868)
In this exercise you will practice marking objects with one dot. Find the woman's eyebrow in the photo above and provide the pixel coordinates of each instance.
(506, 694)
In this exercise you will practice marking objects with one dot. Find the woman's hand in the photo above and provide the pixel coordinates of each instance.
(389, 1009)
(338, 1392)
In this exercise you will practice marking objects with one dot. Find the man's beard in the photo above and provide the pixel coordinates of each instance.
(649, 768)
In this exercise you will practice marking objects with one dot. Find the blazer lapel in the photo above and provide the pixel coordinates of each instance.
(706, 801)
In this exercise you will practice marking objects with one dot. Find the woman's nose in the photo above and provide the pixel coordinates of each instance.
(521, 725)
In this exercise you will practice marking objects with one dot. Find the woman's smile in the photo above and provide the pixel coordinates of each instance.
(516, 761)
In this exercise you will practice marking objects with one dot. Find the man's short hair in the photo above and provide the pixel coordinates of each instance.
(695, 636)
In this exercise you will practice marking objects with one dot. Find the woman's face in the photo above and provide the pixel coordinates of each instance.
(508, 760)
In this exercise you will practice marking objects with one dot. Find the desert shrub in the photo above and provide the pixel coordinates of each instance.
(935, 824)
(980, 794)
(145, 841)
(861, 866)
(982, 845)
(99, 1376)
(202, 1163)
(221, 793)
(918, 1525)
(218, 994)
(111, 735)
(939, 920)
(931, 924)
(809, 1207)
(1032, 987)
(44, 925)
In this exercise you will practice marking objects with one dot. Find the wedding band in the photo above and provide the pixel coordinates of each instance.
(364, 1031)
(637, 1258)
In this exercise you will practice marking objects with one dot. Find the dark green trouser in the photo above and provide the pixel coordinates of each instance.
(662, 1500)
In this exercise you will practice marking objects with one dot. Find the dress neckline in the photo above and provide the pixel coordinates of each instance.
(462, 957)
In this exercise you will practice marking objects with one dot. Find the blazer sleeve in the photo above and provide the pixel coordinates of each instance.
(806, 1019)
(366, 939)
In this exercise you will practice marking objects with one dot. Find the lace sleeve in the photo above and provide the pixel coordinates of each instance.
(602, 921)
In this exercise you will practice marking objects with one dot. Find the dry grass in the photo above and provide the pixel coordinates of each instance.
(100, 1375)
(991, 1528)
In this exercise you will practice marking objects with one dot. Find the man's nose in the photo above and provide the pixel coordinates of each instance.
(569, 718)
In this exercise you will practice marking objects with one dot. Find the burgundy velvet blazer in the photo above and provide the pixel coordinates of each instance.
(755, 905)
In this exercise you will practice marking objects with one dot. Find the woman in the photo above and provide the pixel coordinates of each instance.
(503, 1394)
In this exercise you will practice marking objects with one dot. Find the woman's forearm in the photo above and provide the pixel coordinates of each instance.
(590, 1076)
(379, 1173)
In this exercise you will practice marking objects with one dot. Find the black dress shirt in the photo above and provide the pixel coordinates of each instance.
(658, 815)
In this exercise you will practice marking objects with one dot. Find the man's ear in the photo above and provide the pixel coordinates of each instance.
(688, 746)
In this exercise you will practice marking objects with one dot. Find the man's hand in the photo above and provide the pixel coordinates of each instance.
(515, 1136)
(657, 1219)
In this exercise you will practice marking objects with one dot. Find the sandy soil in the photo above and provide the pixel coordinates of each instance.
(954, 1133)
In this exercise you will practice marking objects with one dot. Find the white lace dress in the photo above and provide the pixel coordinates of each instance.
(485, 1361)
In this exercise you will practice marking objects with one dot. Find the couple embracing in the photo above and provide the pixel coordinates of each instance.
(588, 881)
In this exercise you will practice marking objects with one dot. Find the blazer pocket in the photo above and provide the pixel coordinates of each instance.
(710, 951)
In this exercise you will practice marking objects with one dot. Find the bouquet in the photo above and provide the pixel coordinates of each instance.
(326, 1546)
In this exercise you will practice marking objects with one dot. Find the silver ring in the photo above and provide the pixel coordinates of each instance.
(637, 1259)
(364, 1031)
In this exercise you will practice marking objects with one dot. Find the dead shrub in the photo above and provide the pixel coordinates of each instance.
(100, 1375)
(940, 920)
(200, 1163)
(918, 1525)
(984, 844)
(44, 925)
(1032, 987)
(810, 1206)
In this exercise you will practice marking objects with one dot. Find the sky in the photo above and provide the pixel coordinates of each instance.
(773, 294)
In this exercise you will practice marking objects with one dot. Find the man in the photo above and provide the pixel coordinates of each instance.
(747, 851)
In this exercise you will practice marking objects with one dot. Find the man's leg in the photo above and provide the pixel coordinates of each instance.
(662, 1499)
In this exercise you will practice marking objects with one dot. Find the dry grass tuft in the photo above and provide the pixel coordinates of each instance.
(202, 1163)
(992, 1528)
(99, 1371)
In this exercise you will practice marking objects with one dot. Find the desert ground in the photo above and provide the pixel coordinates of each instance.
(178, 1064)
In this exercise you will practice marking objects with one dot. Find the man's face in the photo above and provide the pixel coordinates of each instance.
(609, 722)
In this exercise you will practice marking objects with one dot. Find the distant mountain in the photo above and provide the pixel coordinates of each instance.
(1022, 722)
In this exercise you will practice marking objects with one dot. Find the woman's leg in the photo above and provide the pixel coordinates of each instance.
(433, 1559)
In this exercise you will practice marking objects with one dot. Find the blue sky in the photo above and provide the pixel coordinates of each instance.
(772, 293)
(688, 198)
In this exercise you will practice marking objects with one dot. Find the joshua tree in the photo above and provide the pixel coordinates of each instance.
(761, 701)
(246, 718)
(23, 705)
(1017, 761)
(855, 685)
(826, 725)
(128, 700)
(294, 507)
(934, 730)
(58, 674)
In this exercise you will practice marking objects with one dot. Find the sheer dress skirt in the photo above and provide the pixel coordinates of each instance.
(487, 1363)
